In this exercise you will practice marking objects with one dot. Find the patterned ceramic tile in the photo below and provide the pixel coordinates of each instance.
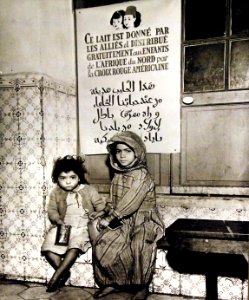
(82, 275)
(33, 269)
(14, 268)
(193, 285)
(229, 288)
(166, 282)
(245, 290)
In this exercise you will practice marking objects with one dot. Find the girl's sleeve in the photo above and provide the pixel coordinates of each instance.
(133, 198)
(53, 213)
(97, 201)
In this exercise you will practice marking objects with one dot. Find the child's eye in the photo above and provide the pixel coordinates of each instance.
(73, 177)
(127, 150)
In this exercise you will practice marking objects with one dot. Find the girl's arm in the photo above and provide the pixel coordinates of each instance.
(98, 202)
(53, 213)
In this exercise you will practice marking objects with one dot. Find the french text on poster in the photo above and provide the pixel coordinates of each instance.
(129, 77)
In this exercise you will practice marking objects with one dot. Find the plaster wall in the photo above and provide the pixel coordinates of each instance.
(38, 36)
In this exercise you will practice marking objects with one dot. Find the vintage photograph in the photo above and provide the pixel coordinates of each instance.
(124, 149)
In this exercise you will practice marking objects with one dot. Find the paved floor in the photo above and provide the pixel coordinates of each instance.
(18, 290)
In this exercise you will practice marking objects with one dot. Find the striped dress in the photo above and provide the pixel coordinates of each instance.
(126, 255)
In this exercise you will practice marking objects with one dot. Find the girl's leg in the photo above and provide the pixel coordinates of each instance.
(63, 268)
(53, 259)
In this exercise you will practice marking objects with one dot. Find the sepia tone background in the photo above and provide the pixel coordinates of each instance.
(208, 179)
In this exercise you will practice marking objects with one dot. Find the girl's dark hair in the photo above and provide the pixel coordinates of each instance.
(69, 163)
(138, 19)
(117, 14)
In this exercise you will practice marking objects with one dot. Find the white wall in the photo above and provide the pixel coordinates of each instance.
(38, 36)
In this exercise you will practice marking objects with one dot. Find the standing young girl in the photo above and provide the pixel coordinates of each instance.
(71, 202)
(124, 250)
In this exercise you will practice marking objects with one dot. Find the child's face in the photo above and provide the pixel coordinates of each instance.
(124, 155)
(68, 181)
(129, 21)
(117, 23)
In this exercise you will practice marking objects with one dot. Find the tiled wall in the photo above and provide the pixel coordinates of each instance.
(38, 122)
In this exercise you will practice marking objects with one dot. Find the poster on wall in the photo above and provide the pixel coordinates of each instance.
(128, 63)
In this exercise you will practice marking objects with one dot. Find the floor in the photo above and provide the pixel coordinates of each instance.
(18, 290)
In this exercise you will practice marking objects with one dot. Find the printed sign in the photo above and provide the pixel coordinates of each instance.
(128, 60)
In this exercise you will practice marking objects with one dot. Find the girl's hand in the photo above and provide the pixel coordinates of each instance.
(96, 214)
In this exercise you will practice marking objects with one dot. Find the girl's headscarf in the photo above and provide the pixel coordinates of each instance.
(132, 140)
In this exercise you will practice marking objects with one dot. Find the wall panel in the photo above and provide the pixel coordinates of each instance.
(38, 123)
